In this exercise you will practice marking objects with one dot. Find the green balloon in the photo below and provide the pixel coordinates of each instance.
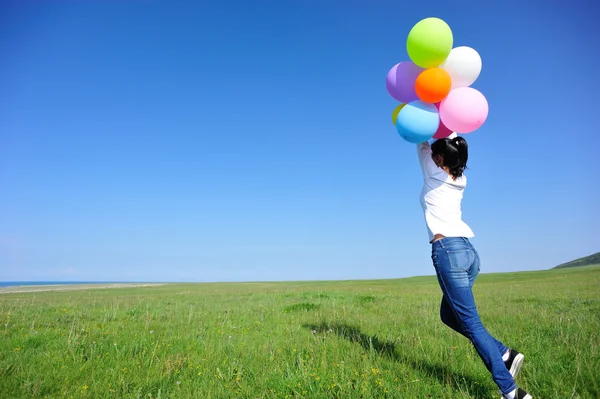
(429, 42)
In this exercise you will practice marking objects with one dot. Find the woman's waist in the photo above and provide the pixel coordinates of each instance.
(440, 241)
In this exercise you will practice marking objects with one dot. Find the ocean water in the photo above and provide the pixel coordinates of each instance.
(19, 283)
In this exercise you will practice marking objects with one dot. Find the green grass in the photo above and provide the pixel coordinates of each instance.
(345, 339)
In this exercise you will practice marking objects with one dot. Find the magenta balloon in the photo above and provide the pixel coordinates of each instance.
(442, 131)
(464, 110)
(400, 81)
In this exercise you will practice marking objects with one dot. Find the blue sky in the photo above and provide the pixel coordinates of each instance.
(252, 140)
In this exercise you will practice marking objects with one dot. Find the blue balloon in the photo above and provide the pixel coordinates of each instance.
(418, 121)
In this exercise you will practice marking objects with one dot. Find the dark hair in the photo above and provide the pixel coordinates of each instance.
(454, 152)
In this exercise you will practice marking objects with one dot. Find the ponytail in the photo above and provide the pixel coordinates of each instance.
(454, 152)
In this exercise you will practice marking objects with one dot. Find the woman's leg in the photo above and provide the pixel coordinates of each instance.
(454, 259)
(449, 319)
(472, 277)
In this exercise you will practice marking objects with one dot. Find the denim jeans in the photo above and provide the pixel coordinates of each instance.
(456, 264)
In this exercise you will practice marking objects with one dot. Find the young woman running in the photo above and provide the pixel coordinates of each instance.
(456, 261)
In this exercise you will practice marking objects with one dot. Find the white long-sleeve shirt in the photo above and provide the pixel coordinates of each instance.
(441, 198)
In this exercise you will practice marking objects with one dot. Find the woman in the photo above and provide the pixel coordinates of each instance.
(455, 260)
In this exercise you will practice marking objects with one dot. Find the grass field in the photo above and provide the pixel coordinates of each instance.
(344, 339)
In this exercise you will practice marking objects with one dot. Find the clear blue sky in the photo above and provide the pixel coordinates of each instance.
(252, 140)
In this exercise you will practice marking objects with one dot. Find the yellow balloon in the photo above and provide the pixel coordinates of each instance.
(396, 112)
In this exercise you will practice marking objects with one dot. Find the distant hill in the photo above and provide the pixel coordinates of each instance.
(585, 261)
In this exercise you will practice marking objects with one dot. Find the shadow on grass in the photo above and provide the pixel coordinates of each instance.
(445, 375)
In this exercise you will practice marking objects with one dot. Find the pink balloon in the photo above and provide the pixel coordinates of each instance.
(400, 81)
(442, 131)
(464, 110)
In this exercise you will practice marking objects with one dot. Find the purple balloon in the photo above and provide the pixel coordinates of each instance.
(400, 81)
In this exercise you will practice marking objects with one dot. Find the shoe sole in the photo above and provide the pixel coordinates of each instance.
(517, 364)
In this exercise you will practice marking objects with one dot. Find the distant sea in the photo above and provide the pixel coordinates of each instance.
(19, 283)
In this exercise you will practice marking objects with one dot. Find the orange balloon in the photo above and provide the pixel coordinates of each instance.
(433, 85)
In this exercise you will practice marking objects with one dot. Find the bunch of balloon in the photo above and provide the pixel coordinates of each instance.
(434, 87)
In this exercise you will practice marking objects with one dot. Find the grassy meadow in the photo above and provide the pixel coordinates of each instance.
(336, 339)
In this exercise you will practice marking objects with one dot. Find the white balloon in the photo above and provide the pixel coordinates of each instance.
(463, 65)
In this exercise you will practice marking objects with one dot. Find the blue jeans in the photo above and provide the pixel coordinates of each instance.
(456, 264)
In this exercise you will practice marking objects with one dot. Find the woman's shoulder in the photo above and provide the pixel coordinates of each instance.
(460, 182)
